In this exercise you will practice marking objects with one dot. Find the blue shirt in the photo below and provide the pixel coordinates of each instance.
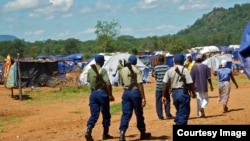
(223, 74)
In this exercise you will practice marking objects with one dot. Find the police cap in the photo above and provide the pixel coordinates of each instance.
(99, 58)
(132, 59)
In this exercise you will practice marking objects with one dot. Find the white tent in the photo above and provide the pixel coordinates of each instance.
(204, 49)
(83, 76)
(110, 65)
(214, 61)
(208, 49)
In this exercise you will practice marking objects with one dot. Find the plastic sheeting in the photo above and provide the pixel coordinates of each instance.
(214, 61)
(110, 65)
(244, 51)
(39, 73)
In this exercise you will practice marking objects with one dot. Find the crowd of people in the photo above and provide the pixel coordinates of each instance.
(187, 79)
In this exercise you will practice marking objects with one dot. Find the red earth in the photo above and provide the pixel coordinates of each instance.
(60, 121)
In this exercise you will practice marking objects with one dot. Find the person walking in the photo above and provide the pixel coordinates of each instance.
(118, 69)
(100, 97)
(158, 73)
(133, 98)
(201, 76)
(179, 80)
(224, 75)
(189, 62)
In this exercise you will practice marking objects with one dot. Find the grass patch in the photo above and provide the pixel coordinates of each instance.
(115, 109)
(66, 94)
(1, 126)
(9, 120)
(239, 79)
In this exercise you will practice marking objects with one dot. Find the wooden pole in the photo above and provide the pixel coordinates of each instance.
(12, 93)
(19, 78)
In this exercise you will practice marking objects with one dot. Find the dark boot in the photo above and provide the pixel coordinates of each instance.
(122, 136)
(145, 136)
(106, 134)
(88, 135)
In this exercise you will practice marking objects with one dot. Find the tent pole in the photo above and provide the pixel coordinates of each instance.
(19, 78)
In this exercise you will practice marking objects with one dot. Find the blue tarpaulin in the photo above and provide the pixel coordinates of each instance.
(170, 61)
(244, 51)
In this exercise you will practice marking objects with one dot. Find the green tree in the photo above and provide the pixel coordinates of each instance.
(106, 32)
(17, 46)
(71, 46)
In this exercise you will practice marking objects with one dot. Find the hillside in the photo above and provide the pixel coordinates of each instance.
(7, 38)
(230, 22)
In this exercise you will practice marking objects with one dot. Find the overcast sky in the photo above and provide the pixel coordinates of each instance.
(34, 20)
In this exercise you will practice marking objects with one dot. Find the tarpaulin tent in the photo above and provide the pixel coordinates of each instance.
(208, 49)
(214, 61)
(110, 65)
(72, 57)
(67, 63)
(83, 75)
(151, 59)
(244, 51)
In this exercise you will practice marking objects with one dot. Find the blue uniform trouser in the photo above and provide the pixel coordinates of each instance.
(181, 102)
(131, 100)
(99, 102)
(160, 106)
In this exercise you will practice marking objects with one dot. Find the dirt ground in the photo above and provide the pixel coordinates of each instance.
(60, 122)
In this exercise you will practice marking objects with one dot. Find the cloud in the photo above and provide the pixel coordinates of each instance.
(89, 31)
(193, 5)
(99, 6)
(20, 5)
(85, 9)
(34, 33)
(152, 4)
(176, 1)
(146, 4)
(51, 17)
(10, 20)
(102, 6)
(55, 6)
(62, 5)
(67, 15)
(63, 34)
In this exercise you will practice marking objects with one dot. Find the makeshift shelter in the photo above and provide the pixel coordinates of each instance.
(205, 49)
(38, 73)
(231, 49)
(83, 76)
(110, 65)
(244, 50)
(214, 61)
(209, 49)
(72, 57)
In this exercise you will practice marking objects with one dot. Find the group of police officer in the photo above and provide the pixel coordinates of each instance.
(133, 98)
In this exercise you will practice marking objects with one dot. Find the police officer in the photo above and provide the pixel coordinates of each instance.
(133, 98)
(99, 100)
(180, 88)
